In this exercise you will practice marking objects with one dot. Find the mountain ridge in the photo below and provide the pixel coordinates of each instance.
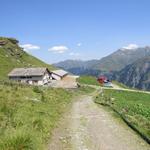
(113, 62)
(124, 65)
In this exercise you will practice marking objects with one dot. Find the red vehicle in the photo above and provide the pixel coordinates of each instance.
(102, 79)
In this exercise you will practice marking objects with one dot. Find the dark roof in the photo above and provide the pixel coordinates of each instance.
(28, 72)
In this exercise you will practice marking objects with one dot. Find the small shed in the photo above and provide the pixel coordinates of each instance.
(58, 74)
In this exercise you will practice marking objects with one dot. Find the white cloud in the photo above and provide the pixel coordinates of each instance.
(74, 54)
(28, 47)
(131, 47)
(79, 44)
(58, 49)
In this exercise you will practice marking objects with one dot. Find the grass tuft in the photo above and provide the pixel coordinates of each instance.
(18, 140)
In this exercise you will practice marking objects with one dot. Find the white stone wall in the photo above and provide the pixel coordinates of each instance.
(41, 80)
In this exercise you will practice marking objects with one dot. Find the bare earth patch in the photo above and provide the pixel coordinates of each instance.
(90, 127)
(68, 82)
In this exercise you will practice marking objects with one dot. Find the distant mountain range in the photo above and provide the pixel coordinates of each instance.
(113, 62)
(115, 65)
(79, 67)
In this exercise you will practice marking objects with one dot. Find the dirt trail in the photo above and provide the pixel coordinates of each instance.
(90, 127)
(116, 87)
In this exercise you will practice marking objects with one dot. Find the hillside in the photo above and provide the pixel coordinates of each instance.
(28, 115)
(113, 62)
(136, 75)
(79, 67)
(11, 56)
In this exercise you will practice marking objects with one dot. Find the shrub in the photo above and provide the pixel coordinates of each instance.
(36, 89)
(43, 99)
(19, 140)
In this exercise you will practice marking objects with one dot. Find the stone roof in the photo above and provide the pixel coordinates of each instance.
(60, 73)
(27, 72)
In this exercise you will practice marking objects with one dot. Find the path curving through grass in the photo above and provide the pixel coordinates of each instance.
(87, 126)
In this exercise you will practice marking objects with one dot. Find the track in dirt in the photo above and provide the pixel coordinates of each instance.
(90, 127)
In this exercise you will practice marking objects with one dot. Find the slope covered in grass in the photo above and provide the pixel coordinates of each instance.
(87, 80)
(29, 113)
(133, 106)
(11, 56)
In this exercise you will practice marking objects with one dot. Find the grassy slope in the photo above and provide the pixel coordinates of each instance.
(11, 56)
(28, 114)
(120, 84)
(88, 80)
(133, 106)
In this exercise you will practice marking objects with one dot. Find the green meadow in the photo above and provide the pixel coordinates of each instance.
(29, 113)
(90, 80)
(132, 106)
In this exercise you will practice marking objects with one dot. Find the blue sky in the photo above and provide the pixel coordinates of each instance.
(55, 30)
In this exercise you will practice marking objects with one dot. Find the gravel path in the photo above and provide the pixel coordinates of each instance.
(90, 127)
(116, 87)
